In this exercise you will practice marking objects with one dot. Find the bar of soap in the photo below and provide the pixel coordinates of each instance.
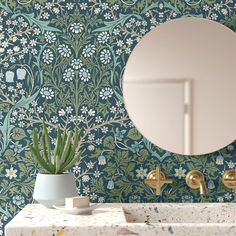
(79, 202)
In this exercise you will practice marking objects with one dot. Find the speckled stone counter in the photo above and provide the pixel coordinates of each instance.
(128, 219)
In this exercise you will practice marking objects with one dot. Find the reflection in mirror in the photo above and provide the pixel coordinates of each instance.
(179, 86)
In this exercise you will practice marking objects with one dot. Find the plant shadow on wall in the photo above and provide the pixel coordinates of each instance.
(62, 62)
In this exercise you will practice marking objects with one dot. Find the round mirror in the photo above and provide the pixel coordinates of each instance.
(179, 86)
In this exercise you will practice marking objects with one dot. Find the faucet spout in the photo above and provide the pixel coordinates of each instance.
(202, 187)
(195, 180)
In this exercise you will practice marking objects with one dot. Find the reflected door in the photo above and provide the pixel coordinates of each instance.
(170, 105)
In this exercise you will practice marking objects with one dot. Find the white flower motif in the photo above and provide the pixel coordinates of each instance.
(56, 10)
(76, 28)
(90, 165)
(205, 7)
(9, 76)
(54, 119)
(68, 75)
(107, 16)
(48, 56)
(103, 37)
(224, 11)
(187, 199)
(76, 169)
(86, 190)
(84, 110)
(180, 172)
(211, 184)
(49, 5)
(101, 199)
(97, 10)
(85, 178)
(76, 64)
(231, 164)
(101, 160)
(116, 7)
(83, 6)
(64, 50)
(18, 200)
(11, 173)
(230, 147)
(214, 16)
(110, 184)
(104, 129)
(106, 93)
(16, 48)
(69, 109)
(105, 56)
(37, 6)
(45, 15)
(91, 137)
(91, 148)
(93, 196)
(21, 73)
(84, 75)
(98, 119)
(47, 93)
(228, 196)
(91, 112)
(50, 37)
(219, 160)
(69, 6)
(88, 50)
(62, 112)
(220, 199)
(141, 173)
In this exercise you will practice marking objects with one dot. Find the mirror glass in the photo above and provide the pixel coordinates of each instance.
(179, 86)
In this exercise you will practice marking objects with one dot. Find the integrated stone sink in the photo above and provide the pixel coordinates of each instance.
(117, 219)
(194, 213)
(182, 219)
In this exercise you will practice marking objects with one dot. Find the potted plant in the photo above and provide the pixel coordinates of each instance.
(54, 185)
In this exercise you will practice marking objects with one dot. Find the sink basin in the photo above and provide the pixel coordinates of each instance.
(166, 219)
(195, 213)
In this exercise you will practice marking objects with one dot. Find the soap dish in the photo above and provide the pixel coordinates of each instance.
(76, 210)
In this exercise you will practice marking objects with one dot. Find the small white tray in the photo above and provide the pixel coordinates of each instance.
(77, 211)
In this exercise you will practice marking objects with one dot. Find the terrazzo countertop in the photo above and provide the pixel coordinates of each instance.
(128, 219)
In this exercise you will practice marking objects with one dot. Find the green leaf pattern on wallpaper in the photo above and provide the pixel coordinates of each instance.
(62, 61)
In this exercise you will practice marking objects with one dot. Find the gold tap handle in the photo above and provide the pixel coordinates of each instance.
(229, 179)
(161, 180)
(167, 181)
(158, 181)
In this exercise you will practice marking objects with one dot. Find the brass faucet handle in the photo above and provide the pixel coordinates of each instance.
(167, 181)
(195, 179)
(229, 179)
(156, 179)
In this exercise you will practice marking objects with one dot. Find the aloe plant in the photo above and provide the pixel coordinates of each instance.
(64, 155)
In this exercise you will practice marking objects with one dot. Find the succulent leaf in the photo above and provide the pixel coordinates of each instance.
(64, 153)
(39, 159)
(47, 138)
(72, 162)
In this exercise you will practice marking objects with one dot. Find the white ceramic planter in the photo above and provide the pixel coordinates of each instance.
(52, 189)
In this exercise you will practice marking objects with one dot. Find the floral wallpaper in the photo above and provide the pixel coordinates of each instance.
(62, 61)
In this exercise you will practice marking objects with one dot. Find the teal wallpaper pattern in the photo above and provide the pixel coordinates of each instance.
(62, 61)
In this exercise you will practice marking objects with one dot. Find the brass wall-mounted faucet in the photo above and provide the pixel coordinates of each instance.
(229, 179)
(156, 179)
(195, 179)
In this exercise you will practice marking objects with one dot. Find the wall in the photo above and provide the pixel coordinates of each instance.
(63, 62)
